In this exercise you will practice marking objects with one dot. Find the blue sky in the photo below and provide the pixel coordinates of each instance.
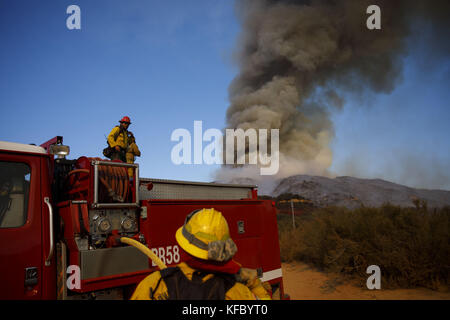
(168, 63)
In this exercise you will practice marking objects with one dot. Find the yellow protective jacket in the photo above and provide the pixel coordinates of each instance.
(132, 152)
(238, 292)
(117, 138)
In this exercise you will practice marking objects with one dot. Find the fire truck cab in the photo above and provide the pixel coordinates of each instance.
(60, 220)
(25, 201)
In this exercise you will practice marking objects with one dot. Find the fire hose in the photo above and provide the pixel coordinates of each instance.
(114, 179)
(145, 250)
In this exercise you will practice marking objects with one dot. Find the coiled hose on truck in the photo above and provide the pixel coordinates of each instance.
(114, 180)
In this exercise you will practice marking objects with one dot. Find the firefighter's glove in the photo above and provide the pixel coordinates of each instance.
(246, 276)
(249, 277)
(221, 250)
(261, 289)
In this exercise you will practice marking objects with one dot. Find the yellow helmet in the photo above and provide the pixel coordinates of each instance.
(205, 235)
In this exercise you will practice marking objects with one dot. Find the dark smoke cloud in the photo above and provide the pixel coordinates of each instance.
(298, 58)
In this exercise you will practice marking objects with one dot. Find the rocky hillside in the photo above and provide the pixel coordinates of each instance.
(354, 192)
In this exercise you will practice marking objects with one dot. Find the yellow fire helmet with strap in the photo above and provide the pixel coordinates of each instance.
(205, 235)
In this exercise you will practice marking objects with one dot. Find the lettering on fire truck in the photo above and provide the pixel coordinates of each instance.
(168, 255)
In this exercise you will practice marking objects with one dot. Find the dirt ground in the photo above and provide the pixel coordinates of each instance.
(302, 282)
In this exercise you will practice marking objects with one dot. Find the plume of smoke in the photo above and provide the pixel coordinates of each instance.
(296, 58)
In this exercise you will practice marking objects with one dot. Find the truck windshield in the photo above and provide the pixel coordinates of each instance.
(14, 192)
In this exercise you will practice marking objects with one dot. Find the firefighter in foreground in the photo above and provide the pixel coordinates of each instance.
(207, 270)
(118, 140)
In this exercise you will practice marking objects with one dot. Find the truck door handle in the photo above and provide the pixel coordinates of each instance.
(52, 245)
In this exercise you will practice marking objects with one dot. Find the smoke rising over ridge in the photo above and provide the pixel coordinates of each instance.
(297, 59)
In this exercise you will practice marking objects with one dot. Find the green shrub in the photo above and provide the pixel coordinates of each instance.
(410, 245)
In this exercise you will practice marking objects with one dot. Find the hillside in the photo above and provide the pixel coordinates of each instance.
(348, 191)
(353, 192)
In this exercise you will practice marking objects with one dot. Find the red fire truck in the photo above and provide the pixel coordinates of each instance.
(58, 215)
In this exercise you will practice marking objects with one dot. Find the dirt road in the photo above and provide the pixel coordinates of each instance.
(302, 282)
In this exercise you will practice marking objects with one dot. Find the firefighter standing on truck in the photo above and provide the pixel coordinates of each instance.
(207, 270)
(118, 140)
